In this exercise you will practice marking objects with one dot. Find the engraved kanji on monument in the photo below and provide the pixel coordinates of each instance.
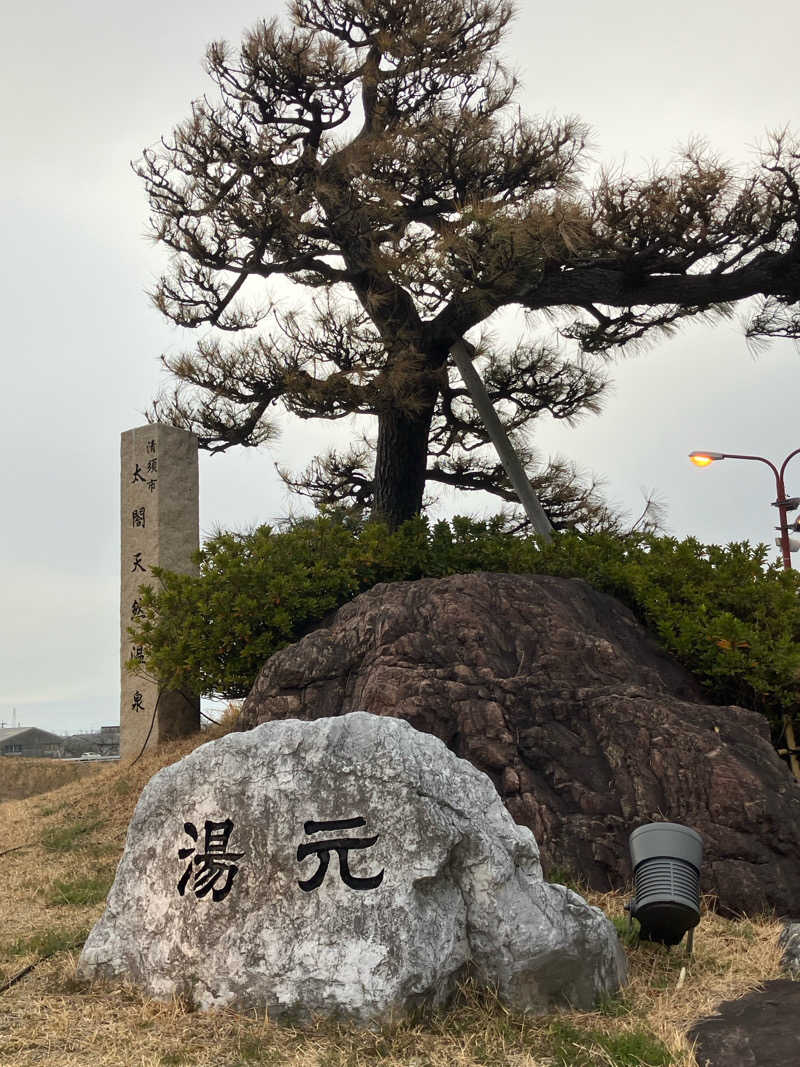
(160, 528)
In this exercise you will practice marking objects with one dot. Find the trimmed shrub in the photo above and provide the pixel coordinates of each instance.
(726, 614)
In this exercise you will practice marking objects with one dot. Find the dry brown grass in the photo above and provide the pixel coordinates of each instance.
(50, 895)
(20, 778)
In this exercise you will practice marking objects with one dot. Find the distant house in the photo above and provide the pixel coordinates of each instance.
(30, 741)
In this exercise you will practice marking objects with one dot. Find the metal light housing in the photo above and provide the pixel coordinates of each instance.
(666, 859)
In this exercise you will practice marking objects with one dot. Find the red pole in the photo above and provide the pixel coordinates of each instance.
(787, 556)
(780, 502)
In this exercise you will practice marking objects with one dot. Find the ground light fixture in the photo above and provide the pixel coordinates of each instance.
(666, 858)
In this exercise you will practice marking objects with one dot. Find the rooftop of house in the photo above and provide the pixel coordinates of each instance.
(14, 731)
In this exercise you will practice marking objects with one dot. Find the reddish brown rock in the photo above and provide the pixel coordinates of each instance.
(585, 726)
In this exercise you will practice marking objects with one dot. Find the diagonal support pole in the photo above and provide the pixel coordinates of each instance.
(499, 438)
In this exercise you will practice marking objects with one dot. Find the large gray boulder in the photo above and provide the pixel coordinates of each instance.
(229, 892)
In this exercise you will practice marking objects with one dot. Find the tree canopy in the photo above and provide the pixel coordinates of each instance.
(370, 151)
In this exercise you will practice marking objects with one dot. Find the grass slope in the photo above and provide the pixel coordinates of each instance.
(53, 887)
(20, 778)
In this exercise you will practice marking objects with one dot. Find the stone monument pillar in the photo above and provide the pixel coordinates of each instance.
(160, 528)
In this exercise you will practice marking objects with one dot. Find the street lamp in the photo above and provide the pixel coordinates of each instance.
(783, 503)
(704, 459)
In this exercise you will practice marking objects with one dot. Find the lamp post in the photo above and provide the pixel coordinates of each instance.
(783, 503)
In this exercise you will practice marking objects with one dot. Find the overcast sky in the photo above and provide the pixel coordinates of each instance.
(86, 86)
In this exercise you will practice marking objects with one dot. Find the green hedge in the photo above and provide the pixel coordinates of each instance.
(728, 616)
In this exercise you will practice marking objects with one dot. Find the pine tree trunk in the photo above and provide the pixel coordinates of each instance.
(401, 460)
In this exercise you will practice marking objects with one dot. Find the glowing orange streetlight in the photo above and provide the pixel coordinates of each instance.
(783, 503)
(704, 459)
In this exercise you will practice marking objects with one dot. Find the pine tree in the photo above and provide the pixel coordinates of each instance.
(371, 153)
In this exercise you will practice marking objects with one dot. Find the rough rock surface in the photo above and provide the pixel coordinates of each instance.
(790, 943)
(585, 726)
(757, 1030)
(432, 881)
